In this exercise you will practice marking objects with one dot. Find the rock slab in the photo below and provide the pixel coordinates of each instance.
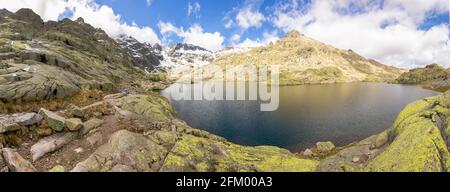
(15, 162)
(51, 144)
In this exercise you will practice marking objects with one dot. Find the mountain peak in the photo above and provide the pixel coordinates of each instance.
(80, 20)
(5, 13)
(190, 47)
(294, 35)
(28, 15)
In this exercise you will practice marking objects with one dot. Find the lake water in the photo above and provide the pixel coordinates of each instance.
(341, 113)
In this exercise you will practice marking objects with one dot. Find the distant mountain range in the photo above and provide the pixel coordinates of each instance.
(303, 60)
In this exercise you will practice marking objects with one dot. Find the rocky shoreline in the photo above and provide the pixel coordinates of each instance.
(130, 133)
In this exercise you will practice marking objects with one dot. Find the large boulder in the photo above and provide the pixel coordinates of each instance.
(419, 140)
(325, 147)
(126, 148)
(202, 154)
(15, 162)
(43, 83)
(154, 107)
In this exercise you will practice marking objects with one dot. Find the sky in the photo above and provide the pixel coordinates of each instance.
(402, 33)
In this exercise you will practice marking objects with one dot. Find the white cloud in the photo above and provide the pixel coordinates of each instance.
(246, 16)
(194, 35)
(389, 33)
(47, 9)
(267, 39)
(229, 24)
(100, 16)
(194, 9)
(235, 38)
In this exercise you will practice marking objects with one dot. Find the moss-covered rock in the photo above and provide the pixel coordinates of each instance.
(325, 147)
(154, 107)
(432, 76)
(200, 154)
(53, 120)
(57, 169)
(417, 142)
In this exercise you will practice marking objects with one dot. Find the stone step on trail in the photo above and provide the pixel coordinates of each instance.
(54, 121)
(8, 126)
(29, 119)
(15, 162)
(51, 144)
(6, 56)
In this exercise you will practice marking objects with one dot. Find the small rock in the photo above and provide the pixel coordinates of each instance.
(15, 162)
(308, 152)
(29, 119)
(75, 111)
(79, 150)
(90, 125)
(74, 124)
(57, 169)
(325, 147)
(43, 131)
(380, 141)
(54, 121)
(360, 158)
(50, 144)
(8, 125)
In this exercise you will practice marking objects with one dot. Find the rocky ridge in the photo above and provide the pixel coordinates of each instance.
(58, 60)
(303, 60)
(432, 77)
(187, 55)
(145, 55)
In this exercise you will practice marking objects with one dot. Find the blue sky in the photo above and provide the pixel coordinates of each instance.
(403, 33)
(211, 15)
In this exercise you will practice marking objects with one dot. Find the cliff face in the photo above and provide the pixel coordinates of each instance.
(303, 60)
(432, 76)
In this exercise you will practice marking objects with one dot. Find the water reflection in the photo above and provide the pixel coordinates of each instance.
(341, 113)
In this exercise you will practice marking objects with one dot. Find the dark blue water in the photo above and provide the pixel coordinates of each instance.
(341, 113)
